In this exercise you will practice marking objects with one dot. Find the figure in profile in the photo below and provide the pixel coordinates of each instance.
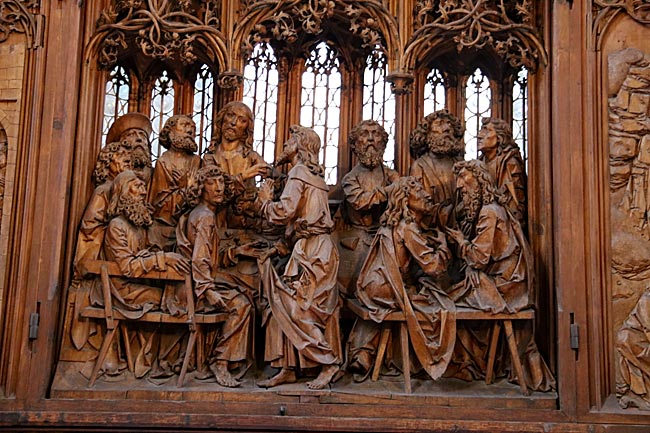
(503, 159)
(303, 329)
(400, 274)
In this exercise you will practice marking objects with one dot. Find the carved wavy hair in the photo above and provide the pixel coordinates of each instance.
(195, 190)
(164, 139)
(486, 184)
(123, 204)
(218, 126)
(308, 148)
(505, 142)
(356, 132)
(106, 155)
(398, 204)
(420, 142)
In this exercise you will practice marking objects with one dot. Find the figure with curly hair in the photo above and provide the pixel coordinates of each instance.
(499, 276)
(503, 159)
(401, 273)
(303, 328)
(174, 173)
(438, 143)
(365, 198)
(198, 240)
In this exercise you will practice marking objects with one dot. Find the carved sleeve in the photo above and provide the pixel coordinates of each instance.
(284, 211)
(131, 263)
(360, 199)
(477, 252)
(203, 253)
(433, 261)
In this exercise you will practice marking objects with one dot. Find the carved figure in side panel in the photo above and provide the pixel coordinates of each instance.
(503, 159)
(400, 275)
(303, 329)
(365, 199)
(198, 239)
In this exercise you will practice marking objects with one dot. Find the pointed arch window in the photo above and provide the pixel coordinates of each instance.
(162, 108)
(203, 106)
(478, 97)
(520, 113)
(321, 104)
(434, 92)
(379, 101)
(116, 98)
(261, 94)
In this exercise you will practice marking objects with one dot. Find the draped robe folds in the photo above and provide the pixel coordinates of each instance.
(168, 196)
(198, 240)
(436, 173)
(499, 278)
(304, 301)
(509, 174)
(365, 202)
(387, 284)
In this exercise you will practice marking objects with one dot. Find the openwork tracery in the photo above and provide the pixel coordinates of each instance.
(507, 26)
(18, 16)
(161, 29)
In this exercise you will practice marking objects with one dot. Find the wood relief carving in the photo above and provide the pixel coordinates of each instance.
(18, 16)
(160, 29)
(201, 245)
(507, 26)
(629, 164)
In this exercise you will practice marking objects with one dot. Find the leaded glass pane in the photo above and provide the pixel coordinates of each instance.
(116, 98)
(478, 99)
(162, 108)
(203, 106)
(520, 113)
(434, 92)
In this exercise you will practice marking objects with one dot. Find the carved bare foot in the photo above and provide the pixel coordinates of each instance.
(223, 376)
(284, 376)
(324, 378)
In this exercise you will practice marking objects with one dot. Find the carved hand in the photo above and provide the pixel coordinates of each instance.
(178, 263)
(265, 192)
(257, 170)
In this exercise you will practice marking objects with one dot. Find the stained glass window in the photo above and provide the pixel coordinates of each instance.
(379, 101)
(203, 106)
(261, 94)
(520, 113)
(116, 98)
(478, 99)
(321, 104)
(162, 108)
(434, 92)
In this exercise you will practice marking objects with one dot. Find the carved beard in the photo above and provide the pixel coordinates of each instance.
(183, 142)
(371, 157)
(443, 144)
(137, 211)
(472, 201)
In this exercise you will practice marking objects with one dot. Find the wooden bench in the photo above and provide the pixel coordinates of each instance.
(500, 320)
(113, 317)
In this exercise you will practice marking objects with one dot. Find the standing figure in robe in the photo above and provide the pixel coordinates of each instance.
(304, 300)
(174, 173)
(365, 198)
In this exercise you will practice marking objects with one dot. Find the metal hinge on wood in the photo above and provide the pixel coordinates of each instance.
(574, 335)
(34, 318)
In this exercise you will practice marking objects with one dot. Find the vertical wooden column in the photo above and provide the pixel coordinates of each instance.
(402, 87)
(38, 264)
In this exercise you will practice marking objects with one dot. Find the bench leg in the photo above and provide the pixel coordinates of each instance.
(106, 344)
(404, 341)
(381, 352)
(514, 354)
(188, 355)
(127, 348)
(492, 351)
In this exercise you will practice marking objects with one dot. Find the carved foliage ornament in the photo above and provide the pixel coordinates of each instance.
(604, 12)
(290, 18)
(161, 28)
(508, 26)
(17, 16)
